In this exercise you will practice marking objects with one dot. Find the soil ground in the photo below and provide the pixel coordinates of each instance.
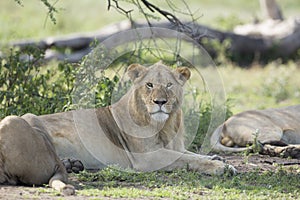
(243, 164)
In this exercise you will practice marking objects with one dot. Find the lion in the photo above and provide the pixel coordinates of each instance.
(276, 130)
(143, 130)
(27, 155)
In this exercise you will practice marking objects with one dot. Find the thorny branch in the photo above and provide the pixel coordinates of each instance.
(187, 28)
(170, 17)
(126, 12)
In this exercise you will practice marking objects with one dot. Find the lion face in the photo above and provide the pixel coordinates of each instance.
(158, 91)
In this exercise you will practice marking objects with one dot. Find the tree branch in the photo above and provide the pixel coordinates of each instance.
(119, 8)
(170, 17)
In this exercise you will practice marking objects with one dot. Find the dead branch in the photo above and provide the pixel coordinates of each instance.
(271, 9)
(170, 17)
(284, 45)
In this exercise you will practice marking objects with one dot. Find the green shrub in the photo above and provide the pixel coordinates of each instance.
(25, 86)
(206, 110)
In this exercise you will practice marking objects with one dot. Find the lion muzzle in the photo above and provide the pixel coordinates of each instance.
(160, 102)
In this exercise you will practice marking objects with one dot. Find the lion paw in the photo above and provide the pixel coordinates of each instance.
(68, 190)
(231, 170)
(73, 165)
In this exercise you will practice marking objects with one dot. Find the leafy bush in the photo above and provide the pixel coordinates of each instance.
(206, 110)
(26, 87)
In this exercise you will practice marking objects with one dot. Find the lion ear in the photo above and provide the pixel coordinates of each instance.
(135, 70)
(184, 73)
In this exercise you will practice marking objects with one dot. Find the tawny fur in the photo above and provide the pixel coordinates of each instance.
(27, 155)
(279, 126)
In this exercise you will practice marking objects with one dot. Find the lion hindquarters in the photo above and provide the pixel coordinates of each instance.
(255, 127)
(223, 143)
(26, 155)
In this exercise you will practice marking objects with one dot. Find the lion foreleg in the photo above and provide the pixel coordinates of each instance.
(203, 164)
(166, 159)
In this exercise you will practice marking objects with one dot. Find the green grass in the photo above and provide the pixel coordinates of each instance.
(181, 184)
(31, 21)
(274, 85)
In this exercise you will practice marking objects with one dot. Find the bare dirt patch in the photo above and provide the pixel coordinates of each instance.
(259, 163)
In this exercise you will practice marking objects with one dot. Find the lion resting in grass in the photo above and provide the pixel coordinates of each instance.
(277, 131)
(27, 155)
(143, 130)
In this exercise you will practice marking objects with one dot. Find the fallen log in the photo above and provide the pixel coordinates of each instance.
(242, 43)
(283, 36)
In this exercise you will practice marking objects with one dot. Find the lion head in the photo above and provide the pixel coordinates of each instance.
(157, 91)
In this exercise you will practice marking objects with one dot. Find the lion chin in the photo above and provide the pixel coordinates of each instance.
(159, 116)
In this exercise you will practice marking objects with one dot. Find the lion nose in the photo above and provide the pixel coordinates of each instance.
(160, 102)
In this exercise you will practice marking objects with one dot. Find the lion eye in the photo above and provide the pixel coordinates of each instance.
(169, 85)
(149, 85)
